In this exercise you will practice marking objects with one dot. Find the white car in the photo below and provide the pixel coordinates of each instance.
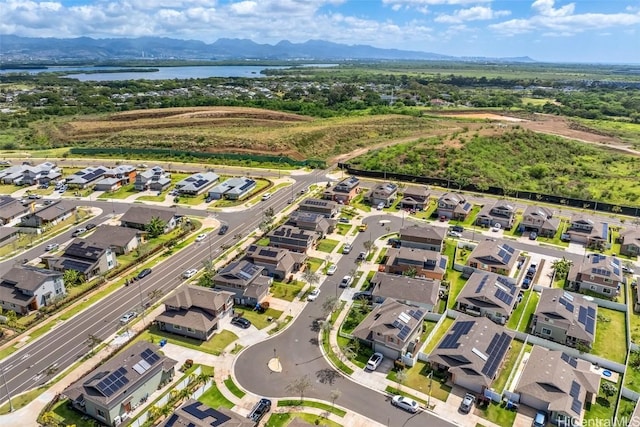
(313, 295)
(374, 361)
(201, 237)
(266, 196)
(128, 317)
(332, 269)
(405, 403)
(189, 273)
(51, 247)
(454, 234)
(347, 248)
(496, 227)
(380, 206)
(346, 281)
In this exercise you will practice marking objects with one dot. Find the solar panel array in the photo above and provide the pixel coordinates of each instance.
(587, 317)
(505, 253)
(569, 359)
(605, 231)
(569, 306)
(507, 292)
(112, 383)
(404, 333)
(504, 296)
(247, 271)
(150, 356)
(416, 314)
(601, 272)
(69, 264)
(315, 202)
(482, 283)
(576, 404)
(248, 183)
(194, 410)
(596, 258)
(457, 330)
(496, 350)
(467, 206)
(269, 253)
(443, 263)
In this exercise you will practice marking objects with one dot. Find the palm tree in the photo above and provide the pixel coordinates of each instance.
(155, 227)
(561, 267)
(299, 386)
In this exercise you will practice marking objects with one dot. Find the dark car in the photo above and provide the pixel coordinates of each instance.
(241, 322)
(457, 228)
(363, 295)
(90, 226)
(223, 229)
(144, 273)
(260, 410)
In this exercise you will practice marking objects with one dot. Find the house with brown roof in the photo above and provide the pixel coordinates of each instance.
(422, 237)
(245, 280)
(490, 295)
(391, 328)
(344, 191)
(421, 293)
(8, 235)
(597, 273)
(292, 238)
(327, 208)
(25, 288)
(278, 263)
(501, 212)
(194, 311)
(192, 413)
(311, 221)
(121, 240)
(472, 352)
(138, 217)
(11, 209)
(384, 192)
(630, 242)
(540, 220)
(112, 391)
(453, 206)
(565, 317)
(494, 256)
(49, 215)
(88, 258)
(415, 197)
(418, 263)
(589, 232)
(559, 384)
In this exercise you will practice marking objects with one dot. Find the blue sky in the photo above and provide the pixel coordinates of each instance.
(545, 30)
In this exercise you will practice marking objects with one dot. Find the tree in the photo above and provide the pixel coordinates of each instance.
(368, 245)
(206, 278)
(410, 272)
(561, 267)
(334, 395)
(72, 278)
(299, 386)
(608, 388)
(352, 349)
(92, 342)
(330, 305)
(155, 227)
(401, 377)
(310, 277)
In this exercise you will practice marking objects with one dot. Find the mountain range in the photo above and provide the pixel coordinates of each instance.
(28, 49)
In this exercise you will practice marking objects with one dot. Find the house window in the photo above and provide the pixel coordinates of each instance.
(190, 330)
(606, 290)
(546, 331)
(177, 327)
(100, 413)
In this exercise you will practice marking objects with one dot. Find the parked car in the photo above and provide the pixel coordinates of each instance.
(90, 226)
(627, 269)
(144, 273)
(128, 317)
(259, 410)
(201, 237)
(343, 220)
(443, 218)
(380, 206)
(467, 403)
(241, 322)
(526, 282)
(540, 420)
(51, 247)
(496, 227)
(361, 256)
(367, 295)
(34, 196)
(454, 234)
(313, 295)
(347, 248)
(458, 228)
(374, 361)
(266, 196)
(362, 227)
(78, 231)
(346, 281)
(533, 235)
(405, 403)
(332, 269)
(223, 229)
(189, 273)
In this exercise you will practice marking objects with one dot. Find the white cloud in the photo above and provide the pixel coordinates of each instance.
(244, 7)
(476, 13)
(414, 3)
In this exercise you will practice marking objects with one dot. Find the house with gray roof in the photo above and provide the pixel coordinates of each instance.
(501, 212)
(566, 318)
(8, 235)
(391, 328)
(630, 242)
(277, 262)
(559, 384)
(490, 295)
(311, 221)
(88, 258)
(192, 413)
(585, 230)
(344, 191)
(116, 177)
(195, 311)
(154, 179)
(540, 220)
(121, 240)
(415, 198)
(293, 238)
(327, 208)
(25, 288)
(197, 183)
(453, 206)
(418, 263)
(112, 391)
(139, 217)
(422, 237)
(472, 352)
(245, 280)
(421, 293)
(26, 174)
(86, 177)
(11, 209)
(494, 256)
(597, 273)
(384, 192)
(49, 215)
(236, 188)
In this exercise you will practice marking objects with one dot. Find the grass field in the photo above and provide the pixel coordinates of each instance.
(611, 342)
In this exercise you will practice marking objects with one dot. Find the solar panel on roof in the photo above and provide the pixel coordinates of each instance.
(496, 355)
(404, 333)
(605, 231)
(502, 253)
(443, 263)
(150, 356)
(69, 264)
(575, 389)
(582, 316)
(481, 284)
(457, 330)
(113, 382)
(567, 296)
(417, 314)
(397, 324)
(507, 259)
(590, 327)
(194, 410)
(591, 312)
(616, 271)
(467, 206)
(509, 249)
(504, 297)
(576, 406)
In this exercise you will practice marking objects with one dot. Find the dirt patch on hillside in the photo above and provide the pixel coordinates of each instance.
(486, 116)
(207, 112)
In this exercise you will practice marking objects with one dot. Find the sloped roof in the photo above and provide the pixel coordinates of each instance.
(110, 235)
(567, 310)
(600, 266)
(423, 232)
(28, 278)
(406, 288)
(144, 214)
(195, 414)
(490, 291)
(495, 253)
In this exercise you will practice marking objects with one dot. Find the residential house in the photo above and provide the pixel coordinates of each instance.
(245, 280)
(115, 388)
(8, 235)
(50, 215)
(154, 179)
(415, 198)
(540, 220)
(385, 193)
(195, 311)
(116, 177)
(195, 414)
(344, 191)
(418, 263)
(327, 208)
(584, 230)
(25, 288)
(278, 263)
(311, 221)
(197, 184)
(86, 177)
(501, 212)
(292, 238)
(630, 242)
(236, 188)
(558, 384)
(87, 258)
(139, 217)
(453, 206)
(25, 174)
(11, 209)
(421, 293)
(494, 256)
(121, 240)
(391, 328)
(422, 237)
(597, 273)
(565, 318)
(472, 352)
(490, 295)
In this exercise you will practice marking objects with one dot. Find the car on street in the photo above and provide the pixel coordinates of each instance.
(454, 234)
(290, 201)
(458, 228)
(332, 269)
(34, 196)
(374, 361)
(347, 248)
(627, 269)
(540, 420)
(266, 196)
(223, 229)
(346, 281)
(467, 403)
(201, 237)
(128, 317)
(90, 226)
(51, 247)
(361, 256)
(144, 273)
(405, 403)
(78, 231)
(362, 227)
(189, 273)
(313, 295)
(241, 322)
(259, 410)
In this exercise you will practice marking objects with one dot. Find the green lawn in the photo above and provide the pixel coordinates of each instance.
(442, 330)
(456, 283)
(282, 420)
(65, 415)
(634, 318)
(121, 193)
(215, 399)
(498, 414)
(315, 263)
(611, 341)
(632, 379)
(159, 198)
(214, 346)
(356, 315)
(313, 404)
(286, 291)
(327, 245)
(233, 388)
(508, 365)
(525, 311)
(343, 229)
(259, 320)
(625, 408)
(417, 379)
(601, 411)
